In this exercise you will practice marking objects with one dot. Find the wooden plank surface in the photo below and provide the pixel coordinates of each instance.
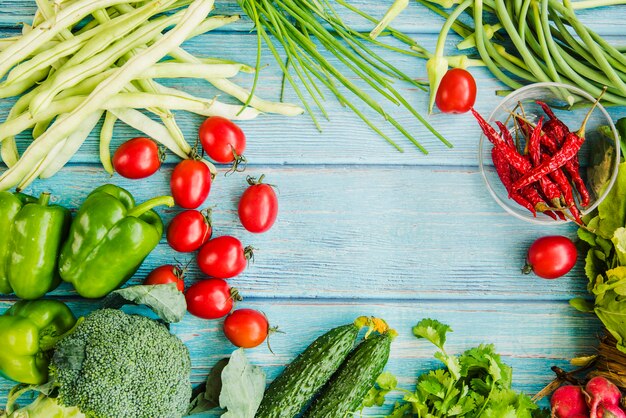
(518, 330)
(361, 232)
(362, 229)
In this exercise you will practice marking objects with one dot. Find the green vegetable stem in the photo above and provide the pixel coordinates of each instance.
(532, 41)
(33, 233)
(474, 384)
(109, 239)
(28, 330)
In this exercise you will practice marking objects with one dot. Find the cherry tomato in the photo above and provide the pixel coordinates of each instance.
(551, 257)
(137, 158)
(246, 328)
(258, 206)
(456, 92)
(211, 299)
(189, 230)
(190, 183)
(223, 257)
(222, 140)
(167, 274)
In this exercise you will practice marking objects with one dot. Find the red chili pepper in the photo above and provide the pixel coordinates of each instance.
(570, 148)
(505, 134)
(568, 197)
(571, 168)
(532, 195)
(487, 129)
(549, 189)
(503, 168)
(554, 126)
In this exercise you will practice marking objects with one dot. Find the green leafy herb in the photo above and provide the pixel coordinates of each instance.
(385, 383)
(475, 384)
(207, 395)
(164, 299)
(243, 385)
(234, 385)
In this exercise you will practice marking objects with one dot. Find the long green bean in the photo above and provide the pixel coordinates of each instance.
(100, 62)
(195, 13)
(28, 43)
(106, 135)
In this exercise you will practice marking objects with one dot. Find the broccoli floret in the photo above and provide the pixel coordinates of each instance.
(120, 365)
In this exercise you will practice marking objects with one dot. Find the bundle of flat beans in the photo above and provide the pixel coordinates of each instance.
(82, 59)
(545, 176)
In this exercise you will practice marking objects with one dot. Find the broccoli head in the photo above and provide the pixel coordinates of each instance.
(120, 365)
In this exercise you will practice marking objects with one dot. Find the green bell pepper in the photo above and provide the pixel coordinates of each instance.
(28, 331)
(30, 243)
(109, 239)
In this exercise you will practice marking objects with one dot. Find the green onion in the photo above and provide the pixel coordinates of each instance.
(299, 28)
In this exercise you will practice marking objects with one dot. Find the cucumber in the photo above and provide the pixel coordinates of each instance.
(345, 391)
(299, 382)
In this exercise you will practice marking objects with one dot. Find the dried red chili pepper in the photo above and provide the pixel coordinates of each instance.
(503, 168)
(554, 126)
(505, 134)
(532, 195)
(568, 196)
(571, 168)
(491, 134)
(550, 190)
(569, 149)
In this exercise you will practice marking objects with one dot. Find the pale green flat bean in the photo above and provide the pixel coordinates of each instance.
(194, 15)
(30, 42)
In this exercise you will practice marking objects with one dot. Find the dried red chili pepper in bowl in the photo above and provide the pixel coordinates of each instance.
(537, 150)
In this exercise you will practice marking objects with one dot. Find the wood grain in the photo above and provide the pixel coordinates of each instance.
(415, 19)
(344, 139)
(362, 229)
(520, 332)
(361, 232)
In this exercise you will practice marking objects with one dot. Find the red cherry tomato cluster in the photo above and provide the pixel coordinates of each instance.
(220, 258)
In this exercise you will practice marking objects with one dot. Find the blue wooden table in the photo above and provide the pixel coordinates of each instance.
(362, 229)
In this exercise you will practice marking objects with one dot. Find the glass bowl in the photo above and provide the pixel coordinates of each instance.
(558, 97)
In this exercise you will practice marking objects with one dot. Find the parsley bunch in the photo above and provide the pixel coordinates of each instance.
(476, 384)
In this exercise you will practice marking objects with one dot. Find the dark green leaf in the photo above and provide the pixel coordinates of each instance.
(582, 305)
(242, 387)
(165, 300)
(207, 395)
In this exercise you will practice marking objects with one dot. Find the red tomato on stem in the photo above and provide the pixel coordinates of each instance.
(258, 206)
(223, 257)
(551, 257)
(189, 230)
(246, 328)
(211, 299)
(190, 183)
(456, 92)
(137, 158)
(167, 274)
(223, 141)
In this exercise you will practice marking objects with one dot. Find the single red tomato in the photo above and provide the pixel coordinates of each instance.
(258, 206)
(223, 257)
(167, 274)
(189, 230)
(211, 299)
(246, 328)
(222, 140)
(190, 183)
(456, 92)
(137, 158)
(551, 257)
